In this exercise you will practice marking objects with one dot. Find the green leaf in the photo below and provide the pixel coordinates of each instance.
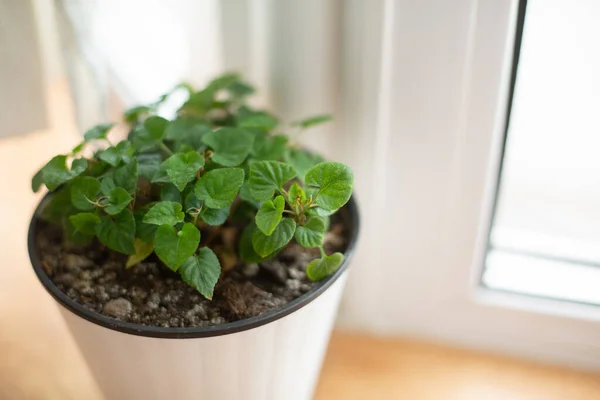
(246, 249)
(165, 212)
(57, 205)
(150, 133)
(107, 184)
(143, 230)
(77, 149)
(148, 164)
(187, 131)
(320, 212)
(269, 215)
(170, 192)
(265, 245)
(84, 191)
(268, 176)
(97, 169)
(98, 132)
(141, 252)
(231, 145)
(312, 121)
(301, 160)
(201, 271)
(118, 199)
(296, 194)
(269, 147)
(37, 181)
(182, 167)
(174, 248)
(114, 154)
(240, 89)
(223, 82)
(126, 176)
(55, 172)
(334, 181)
(198, 103)
(73, 235)
(191, 201)
(324, 266)
(85, 222)
(218, 188)
(260, 121)
(118, 232)
(133, 114)
(214, 217)
(311, 233)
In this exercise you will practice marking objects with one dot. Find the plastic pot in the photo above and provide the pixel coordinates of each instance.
(277, 355)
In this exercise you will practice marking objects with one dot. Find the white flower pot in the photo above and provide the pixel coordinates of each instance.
(275, 356)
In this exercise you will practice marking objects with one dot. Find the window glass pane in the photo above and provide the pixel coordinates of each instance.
(548, 209)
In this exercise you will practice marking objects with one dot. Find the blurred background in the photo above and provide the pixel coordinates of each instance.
(471, 126)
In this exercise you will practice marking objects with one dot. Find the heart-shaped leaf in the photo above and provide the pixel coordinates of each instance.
(182, 167)
(114, 154)
(170, 192)
(334, 182)
(98, 132)
(148, 164)
(324, 266)
(165, 213)
(269, 215)
(118, 232)
(218, 188)
(133, 114)
(301, 160)
(268, 176)
(126, 176)
(260, 121)
(142, 251)
(214, 216)
(187, 131)
(269, 147)
(84, 191)
(118, 199)
(265, 245)
(246, 249)
(150, 133)
(55, 172)
(73, 235)
(85, 222)
(143, 230)
(174, 248)
(201, 271)
(231, 145)
(311, 233)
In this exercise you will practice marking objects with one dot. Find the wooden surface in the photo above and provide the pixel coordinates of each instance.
(361, 367)
(39, 362)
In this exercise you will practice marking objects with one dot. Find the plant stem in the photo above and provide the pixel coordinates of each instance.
(166, 149)
(323, 254)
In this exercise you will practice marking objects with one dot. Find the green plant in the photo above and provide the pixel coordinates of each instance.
(217, 159)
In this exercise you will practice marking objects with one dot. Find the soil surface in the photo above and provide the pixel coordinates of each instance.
(151, 294)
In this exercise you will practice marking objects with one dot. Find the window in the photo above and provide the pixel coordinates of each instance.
(545, 236)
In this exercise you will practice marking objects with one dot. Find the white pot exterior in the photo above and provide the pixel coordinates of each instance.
(280, 360)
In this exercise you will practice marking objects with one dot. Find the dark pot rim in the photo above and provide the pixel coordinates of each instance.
(352, 218)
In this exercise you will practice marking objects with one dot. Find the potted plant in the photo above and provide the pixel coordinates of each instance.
(200, 257)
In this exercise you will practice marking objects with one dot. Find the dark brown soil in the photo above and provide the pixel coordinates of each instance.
(151, 294)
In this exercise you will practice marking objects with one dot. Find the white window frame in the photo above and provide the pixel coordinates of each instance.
(444, 299)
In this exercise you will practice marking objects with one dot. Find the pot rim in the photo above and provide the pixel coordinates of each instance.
(193, 332)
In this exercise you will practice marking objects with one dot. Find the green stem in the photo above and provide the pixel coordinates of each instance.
(166, 149)
(323, 254)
